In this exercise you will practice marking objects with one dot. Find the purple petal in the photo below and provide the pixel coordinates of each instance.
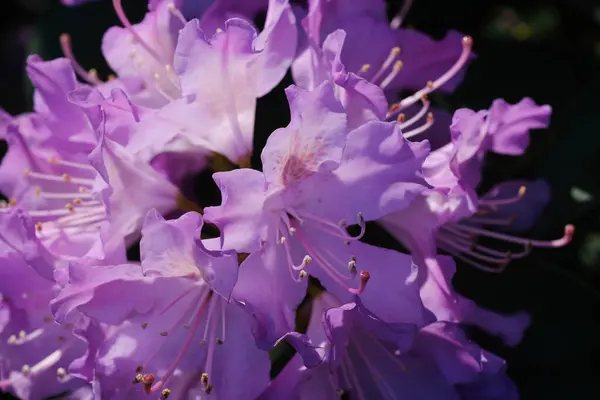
(377, 160)
(240, 217)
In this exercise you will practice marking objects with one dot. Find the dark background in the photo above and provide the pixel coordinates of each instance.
(547, 50)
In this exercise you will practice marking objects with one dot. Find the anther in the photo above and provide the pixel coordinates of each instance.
(138, 378)
(165, 393)
(12, 202)
(292, 231)
(144, 325)
(208, 388)
(70, 207)
(164, 333)
(77, 201)
(25, 369)
(401, 118)
(352, 267)
(365, 68)
(522, 191)
(302, 275)
(139, 368)
(12, 339)
(22, 334)
(61, 373)
(219, 341)
(156, 76)
(66, 177)
(204, 378)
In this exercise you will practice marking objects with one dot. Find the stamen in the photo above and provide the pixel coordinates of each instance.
(399, 18)
(467, 44)
(71, 164)
(397, 68)
(386, 64)
(175, 11)
(420, 129)
(123, 18)
(65, 45)
(417, 116)
(564, 240)
(501, 202)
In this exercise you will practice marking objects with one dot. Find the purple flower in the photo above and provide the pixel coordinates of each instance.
(354, 353)
(36, 353)
(451, 216)
(308, 167)
(219, 80)
(394, 59)
(83, 188)
(176, 325)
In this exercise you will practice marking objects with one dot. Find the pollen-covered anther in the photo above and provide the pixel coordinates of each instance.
(12, 202)
(281, 240)
(144, 325)
(302, 275)
(26, 171)
(66, 177)
(22, 334)
(138, 378)
(522, 191)
(352, 267)
(38, 191)
(61, 373)
(165, 393)
(139, 368)
(219, 341)
(164, 333)
(292, 231)
(204, 378)
(25, 369)
(365, 68)
(70, 207)
(77, 201)
(401, 118)
(429, 117)
(12, 339)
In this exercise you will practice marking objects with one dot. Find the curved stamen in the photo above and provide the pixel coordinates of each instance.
(562, 241)
(429, 121)
(177, 13)
(65, 45)
(386, 64)
(467, 43)
(399, 18)
(418, 115)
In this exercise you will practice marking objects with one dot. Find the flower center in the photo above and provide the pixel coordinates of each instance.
(298, 225)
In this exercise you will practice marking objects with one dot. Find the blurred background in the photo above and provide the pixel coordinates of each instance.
(547, 50)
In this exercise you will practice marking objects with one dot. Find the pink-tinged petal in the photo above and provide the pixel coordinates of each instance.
(264, 283)
(459, 359)
(288, 384)
(219, 76)
(379, 161)
(311, 144)
(167, 247)
(240, 217)
(277, 46)
(363, 100)
(510, 124)
(89, 288)
(239, 360)
(439, 297)
(130, 188)
(17, 237)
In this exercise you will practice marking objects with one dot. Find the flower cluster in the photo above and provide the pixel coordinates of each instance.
(98, 166)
